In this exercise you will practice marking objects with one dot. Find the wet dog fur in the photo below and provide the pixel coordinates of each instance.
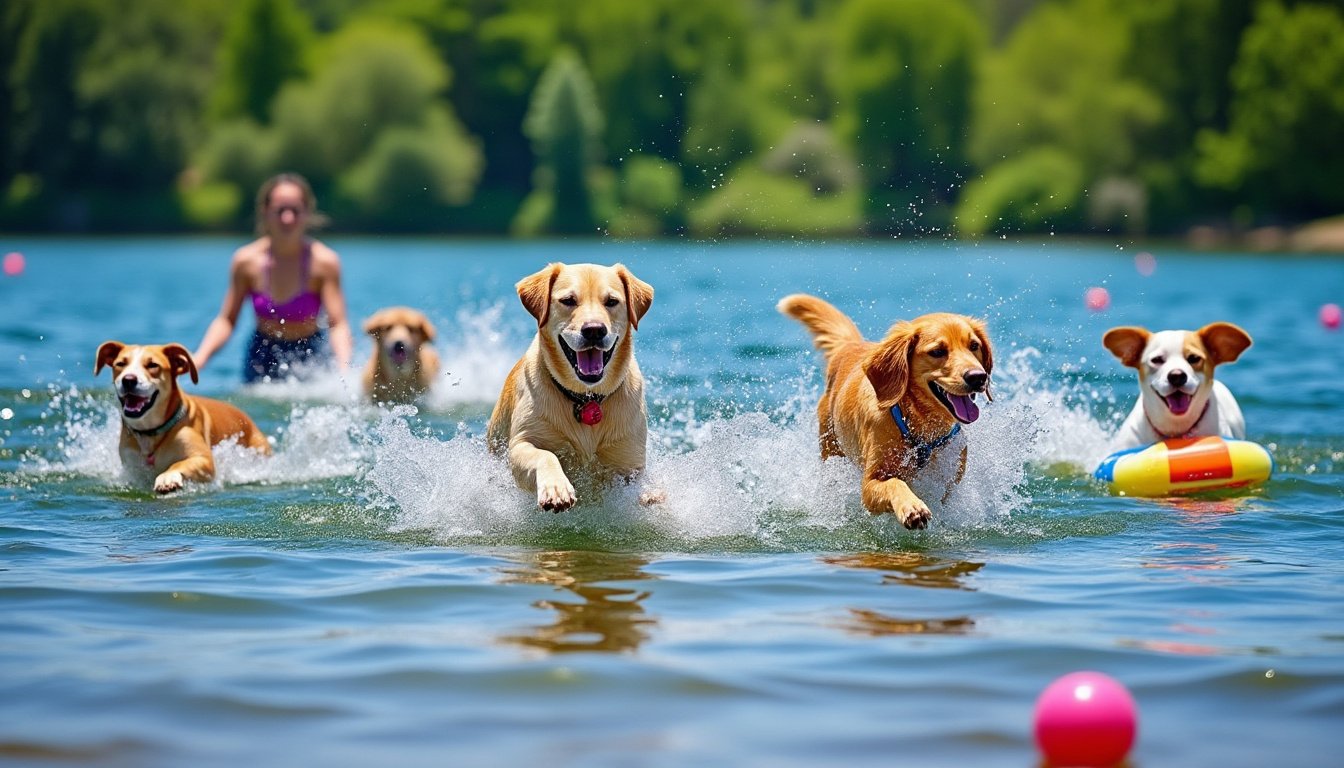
(179, 451)
(932, 367)
(403, 365)
(586, 317)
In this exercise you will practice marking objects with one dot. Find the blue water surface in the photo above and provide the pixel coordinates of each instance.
(379, 592)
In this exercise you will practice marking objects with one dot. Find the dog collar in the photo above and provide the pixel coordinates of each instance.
(1187, 432)
(165, 426)
(587, 407)
(923, 448)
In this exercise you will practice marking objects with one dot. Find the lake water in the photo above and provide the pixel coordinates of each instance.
(379, 592)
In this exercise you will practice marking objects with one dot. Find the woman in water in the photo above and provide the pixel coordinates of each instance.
(290, 279)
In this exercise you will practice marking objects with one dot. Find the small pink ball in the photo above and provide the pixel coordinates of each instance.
(1145, 263)
(1330, 316)
(13, 263)
(1085, 719)
(1097, 298)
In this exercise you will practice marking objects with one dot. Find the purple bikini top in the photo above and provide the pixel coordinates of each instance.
(302, 307)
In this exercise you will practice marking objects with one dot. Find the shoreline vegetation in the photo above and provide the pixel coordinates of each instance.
(1215, 122)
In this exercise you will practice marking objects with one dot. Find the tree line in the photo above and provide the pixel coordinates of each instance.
(675, 117)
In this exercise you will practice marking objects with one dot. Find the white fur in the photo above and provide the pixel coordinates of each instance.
(1162, 355)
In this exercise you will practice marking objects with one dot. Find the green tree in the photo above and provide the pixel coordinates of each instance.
(1281, 150)
(265, 46)
(1186, 52)
(902, 76)
(564, 122)
(1089, 113)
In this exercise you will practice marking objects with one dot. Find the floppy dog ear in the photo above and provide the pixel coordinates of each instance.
(427, 330)
(1224, 341)
(986, 353)
(375, 324)
(888, 365)
(1127, 342)
(535, 291)
(180, 360)
(986, 348)
(638, 295)
(107, 354)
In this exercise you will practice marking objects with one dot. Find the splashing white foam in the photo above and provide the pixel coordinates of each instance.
(752, 475)
(474, 359)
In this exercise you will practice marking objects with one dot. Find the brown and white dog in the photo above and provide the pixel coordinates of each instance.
(890, 406)
(403, 365)
(164, 431)
(1178, 396)
(576, 398)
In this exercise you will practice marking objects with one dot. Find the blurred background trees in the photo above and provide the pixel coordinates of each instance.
(671, 117)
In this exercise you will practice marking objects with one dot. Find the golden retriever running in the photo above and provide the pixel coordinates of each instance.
(403, 365)
(576, 398)
(892, 405)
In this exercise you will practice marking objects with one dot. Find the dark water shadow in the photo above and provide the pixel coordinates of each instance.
(908, 569)
(603, 618)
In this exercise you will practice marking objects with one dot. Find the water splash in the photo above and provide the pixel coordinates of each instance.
(753, 477)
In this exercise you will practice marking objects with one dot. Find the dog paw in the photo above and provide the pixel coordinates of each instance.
(913, 514)
(556, 496)
(649, 497)
(168, 482)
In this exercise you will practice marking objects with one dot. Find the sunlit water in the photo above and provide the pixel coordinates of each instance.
(380, 592)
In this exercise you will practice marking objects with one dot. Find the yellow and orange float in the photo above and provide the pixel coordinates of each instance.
(1186, 465)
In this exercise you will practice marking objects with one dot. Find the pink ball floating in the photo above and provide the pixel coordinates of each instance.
(1097, 298)
(13, 263)
(1145, 263)
(1330, 316)
(1085, 719)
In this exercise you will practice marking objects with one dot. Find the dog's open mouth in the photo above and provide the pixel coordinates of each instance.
(963, 407)
(134, 406)
(399, 354)
(590, 363)
(1177, 402)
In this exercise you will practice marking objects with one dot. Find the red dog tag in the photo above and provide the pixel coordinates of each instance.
(591, 413)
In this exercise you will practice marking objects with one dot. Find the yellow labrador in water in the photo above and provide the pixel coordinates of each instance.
(576, 398)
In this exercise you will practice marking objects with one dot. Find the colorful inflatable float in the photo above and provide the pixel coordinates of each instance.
(1186, 465)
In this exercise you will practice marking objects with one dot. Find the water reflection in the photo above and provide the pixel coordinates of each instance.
(910, 569)
(602, 619)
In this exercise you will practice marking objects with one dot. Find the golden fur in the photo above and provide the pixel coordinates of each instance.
(403, 365)
(534, 423)
(864, 379)
(183, 452)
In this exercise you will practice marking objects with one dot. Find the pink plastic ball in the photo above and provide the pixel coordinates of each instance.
(1097, 298)
(1085, 719)
(13, 264)
(1145, 263)
(1330, 316)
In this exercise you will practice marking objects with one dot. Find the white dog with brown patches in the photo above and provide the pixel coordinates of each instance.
(165, 432)
(576, 398)
(1178, 396)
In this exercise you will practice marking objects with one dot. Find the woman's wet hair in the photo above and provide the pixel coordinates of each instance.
(316, 219)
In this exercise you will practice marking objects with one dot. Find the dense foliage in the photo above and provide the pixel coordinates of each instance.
(664, 117)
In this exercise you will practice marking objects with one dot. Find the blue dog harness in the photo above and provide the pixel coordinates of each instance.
(923, 449)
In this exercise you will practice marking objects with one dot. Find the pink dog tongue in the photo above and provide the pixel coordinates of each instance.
(590, 361)
(133, 402)
(964, 407)
(1178, 402)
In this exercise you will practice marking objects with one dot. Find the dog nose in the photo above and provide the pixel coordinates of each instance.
(129, 381)
(398, 346)
(1177, 378)
(593, 331)
(976, 379)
